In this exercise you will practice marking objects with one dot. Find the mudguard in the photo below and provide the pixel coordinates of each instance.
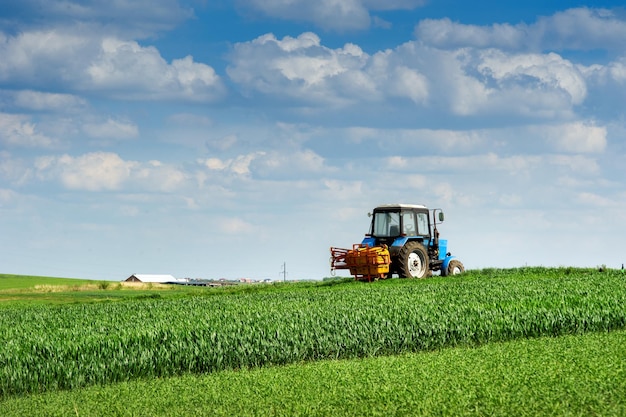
(446, 262)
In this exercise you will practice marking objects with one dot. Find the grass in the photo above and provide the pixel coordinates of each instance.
(564, 376)
(12, 282)
(35, 290)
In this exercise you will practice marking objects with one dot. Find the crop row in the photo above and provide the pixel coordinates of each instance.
(64, 347)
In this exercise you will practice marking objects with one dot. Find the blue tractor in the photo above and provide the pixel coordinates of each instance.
(403, 240)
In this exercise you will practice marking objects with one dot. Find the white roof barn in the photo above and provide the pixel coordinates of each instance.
(159, 279)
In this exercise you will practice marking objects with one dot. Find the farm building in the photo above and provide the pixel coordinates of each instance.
(156, 279)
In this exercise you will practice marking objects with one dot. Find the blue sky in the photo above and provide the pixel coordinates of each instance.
(224, 138)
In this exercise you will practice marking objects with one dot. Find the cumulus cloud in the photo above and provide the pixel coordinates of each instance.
(42, 101)
(109, 65)
(342, 190)
(302, 69)
(234, 225)
(133, 71)
(107, 171)
(137, 18)
(444, 33)
(7, 196)
(111, 129)
(399, 146)
(156, 175)
(579, 28)
(291, 164)
(299, 67)
(415, 141)
(465, 82)
(476, 82)
(409, 82)
(548, 71)
(240, 165)
(595, 200)
(280, 164)
(577, 137)
(14, 170)
(18, 130)
(92, 172)
(611, 75)
(340, 15)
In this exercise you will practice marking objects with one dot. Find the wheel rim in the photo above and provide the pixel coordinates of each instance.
(416, 265)
(456, 270)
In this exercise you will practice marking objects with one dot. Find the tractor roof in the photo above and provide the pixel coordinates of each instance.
(400, 206)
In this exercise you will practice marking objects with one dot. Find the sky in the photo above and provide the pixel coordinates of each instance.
(237, 139)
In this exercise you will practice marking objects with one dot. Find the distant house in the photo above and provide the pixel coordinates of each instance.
(156, 279)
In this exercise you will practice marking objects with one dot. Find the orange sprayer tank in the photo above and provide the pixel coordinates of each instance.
(363, 261)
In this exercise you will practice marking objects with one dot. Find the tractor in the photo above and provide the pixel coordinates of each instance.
(403, 240)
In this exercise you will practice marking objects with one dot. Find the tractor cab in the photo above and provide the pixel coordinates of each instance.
(392, 221)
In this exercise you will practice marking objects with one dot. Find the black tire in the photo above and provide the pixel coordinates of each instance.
(413, 261)
(454, 268)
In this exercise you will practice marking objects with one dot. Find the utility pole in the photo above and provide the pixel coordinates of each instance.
(283, 272)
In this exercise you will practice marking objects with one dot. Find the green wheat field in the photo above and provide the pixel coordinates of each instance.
(524, 342)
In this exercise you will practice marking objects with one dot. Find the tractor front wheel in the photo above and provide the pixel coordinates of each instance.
(413, 261)
(454, 268)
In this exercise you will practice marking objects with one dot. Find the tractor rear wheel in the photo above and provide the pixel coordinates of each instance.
(454, 268)
(413, 261)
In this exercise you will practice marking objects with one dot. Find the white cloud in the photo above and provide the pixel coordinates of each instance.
(140, 18)
(13, 170)
(109, 65)
(493, 82)
(133, 71)
(39, 101)
(155, 175)
(612, 74)
(235, 226)
(618, 70)
(574, 29)
(18, 130)
(393, 4)
(328, 14)
(583, 29)
(492, 169)
(338, 15)
(464, 82)
(595, 200)
(409, 83)
(302, 69)
(296, 67)
(341, 190)
(112, 129)
(7, 196)
(107, 171)
(95, 171)
(190, 119)
(577, 137)
(417, 141)
(44, 57)
(291, 164)
(443, 33)
(240, 165)
(541, 72)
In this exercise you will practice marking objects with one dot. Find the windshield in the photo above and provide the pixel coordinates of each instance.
(386, 224)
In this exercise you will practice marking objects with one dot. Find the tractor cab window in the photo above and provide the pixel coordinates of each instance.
(386, 223)
(422, 224)
(408, 223)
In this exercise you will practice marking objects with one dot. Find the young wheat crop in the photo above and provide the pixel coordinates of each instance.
(64, 347)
